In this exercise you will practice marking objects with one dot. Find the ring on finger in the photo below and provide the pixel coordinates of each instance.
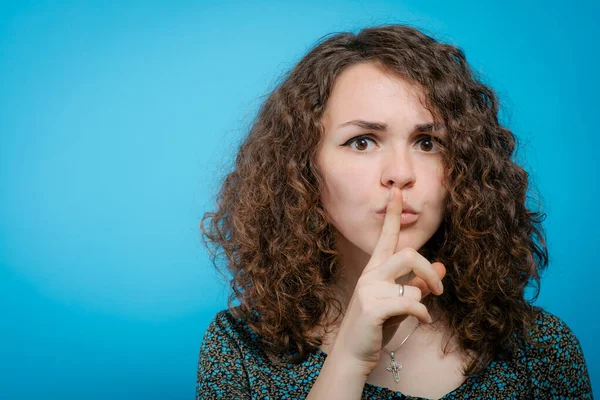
(401, 292)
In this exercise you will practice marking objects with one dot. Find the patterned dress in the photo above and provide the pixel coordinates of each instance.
(233, 366)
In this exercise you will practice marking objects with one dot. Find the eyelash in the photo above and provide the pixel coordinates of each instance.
(421, 138)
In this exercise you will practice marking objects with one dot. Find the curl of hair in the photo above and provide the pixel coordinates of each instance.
(279, 244)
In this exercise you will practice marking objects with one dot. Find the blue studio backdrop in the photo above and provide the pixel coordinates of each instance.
(119, 119)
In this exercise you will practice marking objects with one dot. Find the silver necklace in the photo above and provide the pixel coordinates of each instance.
(395, 367)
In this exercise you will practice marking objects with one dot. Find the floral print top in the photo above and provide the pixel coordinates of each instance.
(232, 365)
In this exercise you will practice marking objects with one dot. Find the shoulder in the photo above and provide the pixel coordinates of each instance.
(224, 321)
(226, 329)
(554, 335)
(223, 361)
(554, 362)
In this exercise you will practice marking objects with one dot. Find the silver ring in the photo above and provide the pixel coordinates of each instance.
(401, 293)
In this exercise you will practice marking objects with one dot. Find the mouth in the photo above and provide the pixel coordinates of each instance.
(407, 217)
(406, 209)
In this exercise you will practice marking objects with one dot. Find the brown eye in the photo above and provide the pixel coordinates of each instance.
(428, 143)
(360, 143)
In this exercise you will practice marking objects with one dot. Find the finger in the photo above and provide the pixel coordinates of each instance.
(384, 289)
(388, 239)
(422, 285)
(405, 261)
(391, 307)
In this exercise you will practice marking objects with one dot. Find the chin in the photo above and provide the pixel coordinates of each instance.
(369, 248)
(413, 245)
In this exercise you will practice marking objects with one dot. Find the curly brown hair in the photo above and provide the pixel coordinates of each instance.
(279, 245)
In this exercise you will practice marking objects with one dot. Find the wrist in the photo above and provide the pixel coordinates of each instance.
(339, 379)
(349, 366)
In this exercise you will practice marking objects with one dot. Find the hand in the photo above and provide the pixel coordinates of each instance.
(375, 309)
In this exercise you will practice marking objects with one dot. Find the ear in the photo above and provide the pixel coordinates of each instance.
(420, 283)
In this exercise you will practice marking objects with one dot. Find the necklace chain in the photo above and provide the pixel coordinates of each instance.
(395, 367)
(405, 339)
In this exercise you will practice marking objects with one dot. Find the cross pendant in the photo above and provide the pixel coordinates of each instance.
(394, 368)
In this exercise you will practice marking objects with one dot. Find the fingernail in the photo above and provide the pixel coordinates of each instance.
(430, 319)
(441, 287)
(391, 194)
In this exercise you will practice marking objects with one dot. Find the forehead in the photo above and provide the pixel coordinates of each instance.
(366, 91)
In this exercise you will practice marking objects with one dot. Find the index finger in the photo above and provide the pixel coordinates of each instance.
(388, 239)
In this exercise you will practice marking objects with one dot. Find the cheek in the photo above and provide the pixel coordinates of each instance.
(438, 189)
(338, 191)
(435, 196)
(345, 193)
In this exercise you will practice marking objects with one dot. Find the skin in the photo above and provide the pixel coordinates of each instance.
(397, 168)
(358, 176)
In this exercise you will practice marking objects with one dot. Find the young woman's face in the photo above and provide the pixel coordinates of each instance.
(360, 163)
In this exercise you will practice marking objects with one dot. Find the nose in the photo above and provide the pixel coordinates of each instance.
(398, 170)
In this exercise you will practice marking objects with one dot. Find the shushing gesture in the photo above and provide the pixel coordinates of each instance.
(376, 309)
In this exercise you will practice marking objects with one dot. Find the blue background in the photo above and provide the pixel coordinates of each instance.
(117, 121)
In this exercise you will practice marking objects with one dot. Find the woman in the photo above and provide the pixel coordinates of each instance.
(376, 170)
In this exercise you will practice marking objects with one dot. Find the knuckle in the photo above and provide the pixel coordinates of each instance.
(369, 308)
(416, 308)
(406, 304)
(361, 291)
(418, 293)
(365, 276)
(363, 282)
(409, 254)
(413, 306)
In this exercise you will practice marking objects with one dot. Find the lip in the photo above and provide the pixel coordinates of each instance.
(409, 215)
(407, 218)
(406, 208)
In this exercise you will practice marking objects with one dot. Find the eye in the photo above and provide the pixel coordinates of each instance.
(428, 143)
(360, 143)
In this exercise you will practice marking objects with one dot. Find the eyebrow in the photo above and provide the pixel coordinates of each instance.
(382, 127)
